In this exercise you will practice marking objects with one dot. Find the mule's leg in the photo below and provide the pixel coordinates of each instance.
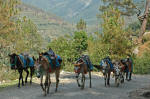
(117, 81)
(49, 83)
(108, 78)
(41, 84)
(46, 84)
(90, 78)
(126, 75)
(105, 78)
(83, 80)
(26, 75)
(57, 73)
(22, 78)
(31, 74)
(77, 77)
(122, 78)
(19, 78)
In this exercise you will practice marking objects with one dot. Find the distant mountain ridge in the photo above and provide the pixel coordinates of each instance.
(70, 10)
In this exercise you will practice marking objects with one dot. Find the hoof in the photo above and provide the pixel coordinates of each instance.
(79, 86)
(25, 81)
(41, 84)
(44, 95)
(82, 87)
(46, 84)
(108, 85)
(55, 90)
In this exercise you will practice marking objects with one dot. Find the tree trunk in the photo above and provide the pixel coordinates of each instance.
(144, 23)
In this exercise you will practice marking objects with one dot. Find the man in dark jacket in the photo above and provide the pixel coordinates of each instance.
(130, 66)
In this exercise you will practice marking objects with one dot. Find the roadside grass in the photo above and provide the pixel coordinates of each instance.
(9, 78)
(8, 84)
(11, 83)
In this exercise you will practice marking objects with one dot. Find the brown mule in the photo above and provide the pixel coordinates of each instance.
(81, 67)
(43, 67)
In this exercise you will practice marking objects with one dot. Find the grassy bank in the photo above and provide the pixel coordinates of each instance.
(8, 84)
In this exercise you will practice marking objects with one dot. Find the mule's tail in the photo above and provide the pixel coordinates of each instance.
(98, 67)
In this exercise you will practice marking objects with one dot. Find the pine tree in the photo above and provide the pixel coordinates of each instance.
(113, 40)
(81, 25)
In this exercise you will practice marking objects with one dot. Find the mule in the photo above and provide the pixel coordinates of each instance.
(80, 67)
(119, 77)
(104, 67)
(44, 67)
(18, 63)
(106, 72)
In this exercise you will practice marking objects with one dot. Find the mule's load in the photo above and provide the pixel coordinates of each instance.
(52, 65)
(31, 61)
(26, 61)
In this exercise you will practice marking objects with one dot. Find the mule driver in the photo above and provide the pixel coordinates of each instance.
(130, 67)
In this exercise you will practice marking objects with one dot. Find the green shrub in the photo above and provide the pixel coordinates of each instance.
(146, 37)
(142, 64)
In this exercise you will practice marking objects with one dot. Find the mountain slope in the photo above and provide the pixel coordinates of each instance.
(70, 10)
(49, 25)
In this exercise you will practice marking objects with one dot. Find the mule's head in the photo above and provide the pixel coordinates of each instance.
(104, 65)
(77, 65)
(52, 57)
(13, 60)
(122, 65)
(37, 67)
(34, 58)
(117, 69)
(77, 68)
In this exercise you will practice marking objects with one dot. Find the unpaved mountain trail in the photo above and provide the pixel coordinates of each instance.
(68, 89)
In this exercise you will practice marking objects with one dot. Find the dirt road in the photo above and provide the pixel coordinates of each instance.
(68, 89)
